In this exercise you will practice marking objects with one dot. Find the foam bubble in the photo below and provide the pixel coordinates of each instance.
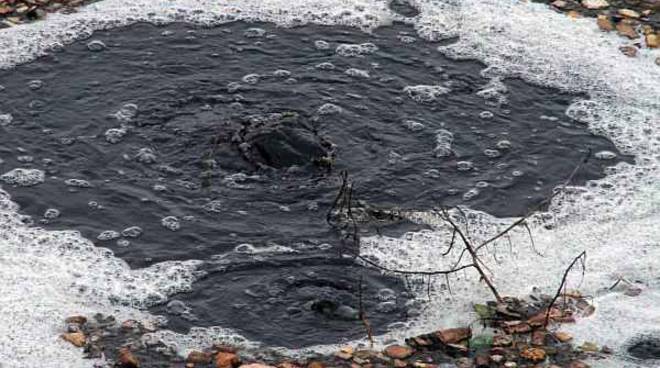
(356, 50)
(6, 119)
(115, 135)
(443, 142)
(78, 183)
(23, 177)
(171, 223)
(425, 94)
(329, 109)
(357, 73)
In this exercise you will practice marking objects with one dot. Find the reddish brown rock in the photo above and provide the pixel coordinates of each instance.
(256, 365)
(227, 360)
(126, 359)
(454, 335)
(518, 328)
(604, 23)
(198, 357)
(398, 351)
(482, 361)
(76, 338)
(652, 40)
(626, 29)
(315, 364)
(533, 354)
(5, 10)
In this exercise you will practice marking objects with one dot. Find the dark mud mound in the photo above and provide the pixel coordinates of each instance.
(180, 142)
(645, 347)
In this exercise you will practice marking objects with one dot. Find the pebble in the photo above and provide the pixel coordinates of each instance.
(589, 346)
(630, 51)
(604, 23)
(533, 354)
(398, 351)
(226, 359)
(496, 358)
(563, 336)
(76, 338)
(198, 357)
(127, 359)
(653, 41)
(595, 4)
(79, 320)
(627, 30)
(629, 13)
(559, 4)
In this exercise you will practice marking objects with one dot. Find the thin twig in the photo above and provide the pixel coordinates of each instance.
(363, 315)
(475, 259)
(540, 205)
(581, 257)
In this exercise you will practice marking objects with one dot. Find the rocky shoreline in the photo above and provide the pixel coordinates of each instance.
(636, 20)
(15, 12)
(510, 333)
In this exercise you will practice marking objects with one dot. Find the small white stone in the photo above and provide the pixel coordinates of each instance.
(595, 4)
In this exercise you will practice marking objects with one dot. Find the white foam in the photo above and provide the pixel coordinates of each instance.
(614, 219)
(50, 275)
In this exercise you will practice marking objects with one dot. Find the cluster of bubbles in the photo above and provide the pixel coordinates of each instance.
(443, 142)
(23, 177)
(425, 94)
(356, 50)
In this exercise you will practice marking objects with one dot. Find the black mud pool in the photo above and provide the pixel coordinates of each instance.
(224, 144)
